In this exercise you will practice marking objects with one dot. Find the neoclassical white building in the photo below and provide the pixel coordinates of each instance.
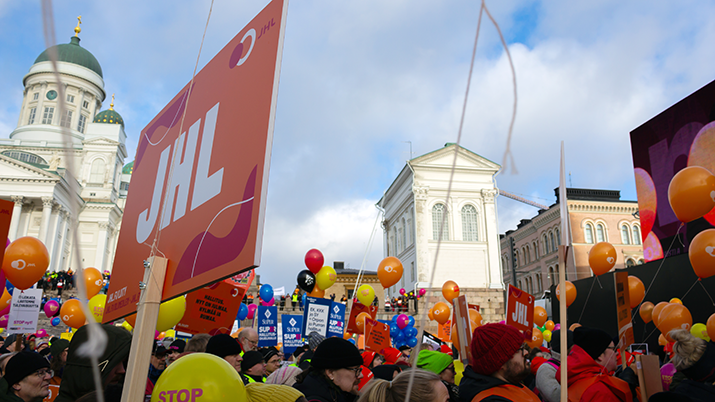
(35, 161)
(414, 205)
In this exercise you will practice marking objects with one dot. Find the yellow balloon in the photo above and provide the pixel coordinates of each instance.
(199, 377)
(366, 294)
(700, 330)
(326, 277)
(127, 326)
(170, 313)
(96, 306)
(170, 333)
(547, 335)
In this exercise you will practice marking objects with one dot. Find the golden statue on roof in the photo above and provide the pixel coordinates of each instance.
(77, 29)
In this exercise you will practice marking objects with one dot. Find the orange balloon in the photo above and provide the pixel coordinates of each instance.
(71, 313)
(540, 316)
(440, 311)
(131, 319)
(26, 260)
(5, 299)
(347, 335)
(93, 280)
(602, 258)
(701, 253)
(636, 290)
(570, 293)
(711, 326)
(574, 326)
(689, 193)
(476, 317)
(675, 300)
(360, 321)
(674, 316)
(430, 314)
(389, 271)
(537, 338)
(646, 312)
(450, 290)
(317, 293)
(656, 312)
(661, 340)
(454, 336)
(549, 325)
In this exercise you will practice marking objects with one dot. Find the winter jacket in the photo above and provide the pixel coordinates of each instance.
(315, 387)
(77, 375)
(588, 380)
(10, 396)
(476, 387)
(549, 388)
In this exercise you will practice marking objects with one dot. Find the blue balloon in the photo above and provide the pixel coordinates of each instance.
(400, 336)
(242, 312)
(55, 321)
(351, 340)
(412, 342)
(410, 332)
(412, 321)
(394, 318)
(266, 293)
(9, 286)
(394, 329)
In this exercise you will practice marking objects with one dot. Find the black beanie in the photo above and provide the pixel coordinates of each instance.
(592, 340)
(23, 364)
(250, 359)
(177, 346)
(335, 353)
(556, 340)
(268, 353)
(223, 345)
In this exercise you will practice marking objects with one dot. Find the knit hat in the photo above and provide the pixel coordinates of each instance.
(335, 353)
(492, 346)
(223, 345)
(367, 358)
(386, 371)
(314, 339)
(250, 359)
(284, 376)
(367, 375)
(446, 349)
(57, 346)
(556, 340)
(177, 346)
(593, 341)
(268, 353)
(260, 392)
(435, 362)
(391, 355)
(23, 364)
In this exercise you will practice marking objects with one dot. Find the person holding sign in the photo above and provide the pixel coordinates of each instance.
(334, 374)
(497, 367)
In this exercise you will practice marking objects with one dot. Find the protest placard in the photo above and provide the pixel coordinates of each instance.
(520, 310)
(336, 322)
(377, 335)
(24, 311)
(355, 310)
(267, 317)
(316, 314)
(292, 335)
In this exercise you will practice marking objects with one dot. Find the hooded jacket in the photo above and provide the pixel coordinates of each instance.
(6, 396)
(77, 375)
(473, 384)
(589, 381)
(316, 388)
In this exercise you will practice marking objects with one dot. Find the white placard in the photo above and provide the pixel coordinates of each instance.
(24, 311)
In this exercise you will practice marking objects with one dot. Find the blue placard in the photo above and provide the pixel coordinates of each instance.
(267, 326)
(292, 336)
(336, 322)
(316, 315)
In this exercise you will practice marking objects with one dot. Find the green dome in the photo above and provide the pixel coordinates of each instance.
(128, 168)
(73, 53)
(109, 117)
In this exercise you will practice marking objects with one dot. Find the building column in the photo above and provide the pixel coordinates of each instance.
(67, 243)
(58, 236)
(422, 233)
(47, 203)
(100, 256)
(494, 274)
(15, 221)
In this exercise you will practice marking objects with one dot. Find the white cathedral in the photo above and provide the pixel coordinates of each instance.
(34, 161)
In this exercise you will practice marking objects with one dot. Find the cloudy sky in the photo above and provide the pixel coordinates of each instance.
(360, 79)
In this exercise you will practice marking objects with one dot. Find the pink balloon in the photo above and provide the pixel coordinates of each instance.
(3, 321)
(251, 311)
(666, 375)
(502, 322)
(402, 321)
(51, 308)
(402, 291)
(41, 333)
(422, 292)
(4, 311)
(557, 327)
(269, 303)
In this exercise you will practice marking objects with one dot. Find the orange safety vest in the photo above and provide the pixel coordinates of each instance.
(577, 389)
(510, 392)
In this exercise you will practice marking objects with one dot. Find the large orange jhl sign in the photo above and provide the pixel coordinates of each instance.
(201, 171)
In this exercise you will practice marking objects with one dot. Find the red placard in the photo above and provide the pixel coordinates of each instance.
(201, 171)
(212, 309)
(377, 335)
(356, 309)
(520, 310)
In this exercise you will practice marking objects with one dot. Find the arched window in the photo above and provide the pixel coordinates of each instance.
(640, 262)
(600, 233)
(96, 174)
(404, 234)
(438, 213)
(588, 233)
(558, 237)
(625, 234)
(517, 262)
(469, 223)
(400, 237)
(636, 235)
(539, 283)
(530, 285)
(536, 250)
(551, 241)
(630, 262)
(528, 254)
(547, 249)
(519, 284)
(552, 279)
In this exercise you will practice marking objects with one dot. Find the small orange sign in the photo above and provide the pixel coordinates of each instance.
(356, 309)
(212, 309)
(623, 310)
(377, 335)
(444, 331)
(520, 310)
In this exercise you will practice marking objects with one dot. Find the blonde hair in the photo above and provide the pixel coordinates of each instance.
(197, 343)
(378, 390)
(687, 349)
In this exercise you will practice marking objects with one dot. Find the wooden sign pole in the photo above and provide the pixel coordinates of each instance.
(147, 315)
(563, 251)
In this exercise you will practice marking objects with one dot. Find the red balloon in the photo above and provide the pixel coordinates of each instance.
(314, 260)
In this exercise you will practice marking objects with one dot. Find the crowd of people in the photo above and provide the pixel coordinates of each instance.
(501, 368)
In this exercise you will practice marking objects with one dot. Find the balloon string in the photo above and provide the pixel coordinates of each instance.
(599, 283)
(587, 297)
(691, 288)
(706, 291)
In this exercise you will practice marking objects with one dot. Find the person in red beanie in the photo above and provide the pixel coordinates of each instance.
(394, 356)
(497, 366)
